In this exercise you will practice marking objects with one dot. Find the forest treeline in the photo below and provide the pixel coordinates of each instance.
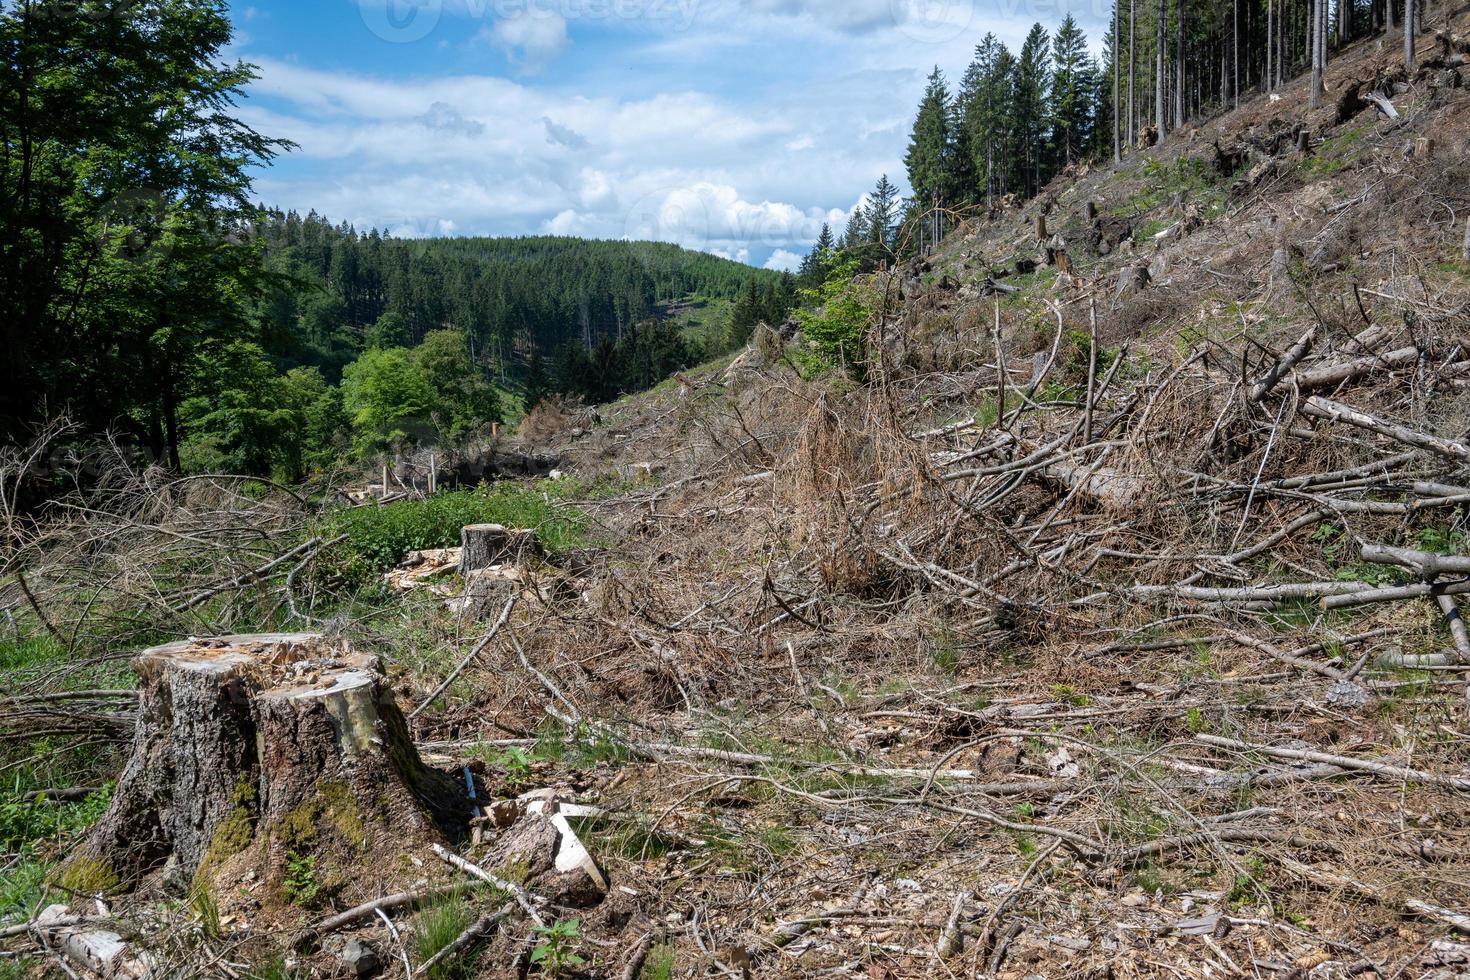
(145, 294)
(1018, 119)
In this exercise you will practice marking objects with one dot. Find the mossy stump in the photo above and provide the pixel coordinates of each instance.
(277, 765)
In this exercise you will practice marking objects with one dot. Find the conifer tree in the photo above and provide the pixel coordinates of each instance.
(929, 150)
(1071, 96)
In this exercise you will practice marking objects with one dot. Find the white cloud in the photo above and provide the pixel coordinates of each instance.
(784, 261)
(532, 37)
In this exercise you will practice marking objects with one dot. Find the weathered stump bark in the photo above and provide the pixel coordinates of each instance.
(486, 545)
(254, 753)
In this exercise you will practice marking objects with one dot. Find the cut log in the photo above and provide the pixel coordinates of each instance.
(1384, 106)
(252, 753)
(1282, 367)
(1333, 375)
(1465, 253)
(1323, 408)
(487, 545)
(96, 950)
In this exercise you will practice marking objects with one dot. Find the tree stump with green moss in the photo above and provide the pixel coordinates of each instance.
(277, 767)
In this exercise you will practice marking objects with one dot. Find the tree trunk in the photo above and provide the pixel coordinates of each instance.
(1315, 90)
(1465, 252)
(1161, 117)
(254, 755)
(1410, 26)
(487, 545)
(1117, 59)
(1270, 42)
(1235, 53)
(1132, 69)
(1179, 69)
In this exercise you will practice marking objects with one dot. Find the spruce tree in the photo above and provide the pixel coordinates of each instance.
(1071, 94)
(929, 147)
(1030, 108)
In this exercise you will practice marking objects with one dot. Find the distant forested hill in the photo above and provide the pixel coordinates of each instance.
(515, 300)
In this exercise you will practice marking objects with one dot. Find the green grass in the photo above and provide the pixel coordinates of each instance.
(378, 538)
(435, 928)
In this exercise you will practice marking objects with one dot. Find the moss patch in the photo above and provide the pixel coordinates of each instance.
(88, 876)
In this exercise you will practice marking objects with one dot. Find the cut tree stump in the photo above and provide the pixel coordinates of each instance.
(256, 753)
(486, 545)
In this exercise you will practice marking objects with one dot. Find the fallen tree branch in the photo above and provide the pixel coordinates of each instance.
(1323, 408)
(1384, 769)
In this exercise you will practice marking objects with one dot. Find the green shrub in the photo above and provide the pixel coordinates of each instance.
(378, 538)
(837, 315)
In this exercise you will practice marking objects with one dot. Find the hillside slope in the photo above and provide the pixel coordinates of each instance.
(1052, 690)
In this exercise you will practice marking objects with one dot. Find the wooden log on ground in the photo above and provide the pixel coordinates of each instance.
(254, 752)
(94, 949)
(1332, 375)
(1323, 408)
(1282, 367)
(1426, 564)
(1465, 252)
(486, 545)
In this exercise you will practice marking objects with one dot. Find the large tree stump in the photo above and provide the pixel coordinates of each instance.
(487, 545)
(257, 755)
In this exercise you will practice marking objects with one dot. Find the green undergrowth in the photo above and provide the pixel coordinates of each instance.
(378, 538)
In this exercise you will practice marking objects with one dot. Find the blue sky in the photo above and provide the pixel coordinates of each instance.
(732, 127)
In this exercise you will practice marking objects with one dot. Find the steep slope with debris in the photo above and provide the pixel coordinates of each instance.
(1099, 669)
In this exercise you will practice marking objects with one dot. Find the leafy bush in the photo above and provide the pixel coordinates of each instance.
(837, 316)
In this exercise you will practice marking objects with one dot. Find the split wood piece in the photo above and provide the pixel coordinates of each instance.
(487, 545)
(1413, 906)
(1465, 252)
(1384, 769)
(1324, 408)
(96, 950)
(1384, 106)
(248, 748)
(1284, 366)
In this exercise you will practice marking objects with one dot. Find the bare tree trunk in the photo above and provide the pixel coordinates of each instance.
(1270, 42)
(1117, 58)
(1132, 70)
(1235, 52)
(1410, 26)
(1388, 6)
(1161, 117)
(1314, 92)
(1179, 69)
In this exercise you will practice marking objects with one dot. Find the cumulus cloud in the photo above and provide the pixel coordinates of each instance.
(784, 261)
(531, 37)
